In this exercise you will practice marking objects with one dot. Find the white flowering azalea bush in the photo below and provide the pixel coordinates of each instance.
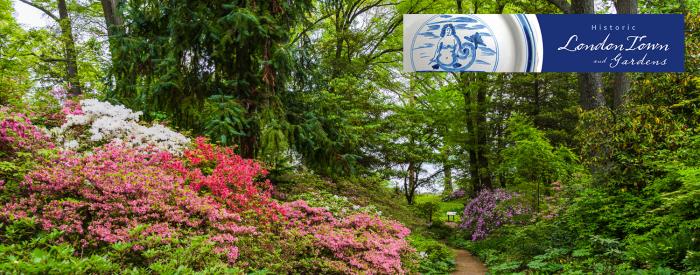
(95, 122)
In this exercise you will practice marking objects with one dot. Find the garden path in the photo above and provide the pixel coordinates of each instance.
(467, 264)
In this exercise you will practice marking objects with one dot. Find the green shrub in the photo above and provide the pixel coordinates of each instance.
(439, 230)
(435, 257)
(25, 249)
(427, 210)
(443, 206)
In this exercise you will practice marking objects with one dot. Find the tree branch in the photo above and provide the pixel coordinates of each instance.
(45, 11)
(379, 54)
(44, 58)
(309, 27)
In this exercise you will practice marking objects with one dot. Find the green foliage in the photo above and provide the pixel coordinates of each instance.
(440, 214)
(531, 158)
(547, 262)
(531, 164)
(427, 210)
(225, 119)
(435, 257)
(14, 76)
(229, 58)
(188, 256)
(27, 249)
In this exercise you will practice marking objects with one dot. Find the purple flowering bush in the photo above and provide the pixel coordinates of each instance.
(457, 194)
(490, 210)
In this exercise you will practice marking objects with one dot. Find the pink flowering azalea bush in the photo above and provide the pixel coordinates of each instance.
(227, 176)
(17, 133)
(118, 194)
(143, 206)
(359, 242)
(491, 209)
(22, 147)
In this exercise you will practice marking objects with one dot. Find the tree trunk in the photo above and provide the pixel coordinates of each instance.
(471, 146)
(476, 124)
(582, 6)
(482, 135)
(626, 6)
(411, 188)
(536, 88)
(500, 6)
(447, 181)
(69, 48)
(590, 85)
(621, 87)
(477, 147)
(112, 15)
(622, 82)
(114, 22)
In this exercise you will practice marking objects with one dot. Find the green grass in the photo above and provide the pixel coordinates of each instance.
(440, 215)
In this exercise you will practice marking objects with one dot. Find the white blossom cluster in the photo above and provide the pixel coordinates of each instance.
(109, 122)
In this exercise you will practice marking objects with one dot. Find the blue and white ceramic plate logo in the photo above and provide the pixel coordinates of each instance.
(469, 42)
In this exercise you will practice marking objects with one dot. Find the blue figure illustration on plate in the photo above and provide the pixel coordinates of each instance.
(454, 43)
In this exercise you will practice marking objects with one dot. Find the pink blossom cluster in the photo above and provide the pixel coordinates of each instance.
(17, 133)
(103, 197)
(361, 241)
(51, 118)
(227, 176)
(119, 193)
(71, 107)
(491, 209)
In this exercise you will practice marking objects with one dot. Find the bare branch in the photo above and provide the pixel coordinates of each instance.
(45, 11)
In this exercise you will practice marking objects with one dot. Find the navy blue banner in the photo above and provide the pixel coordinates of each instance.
(612, 43)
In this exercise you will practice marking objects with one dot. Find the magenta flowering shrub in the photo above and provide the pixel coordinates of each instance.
(71, 107)
(146, 198)
(229, 177)
(491, 209)
(17, 133)
(362, 242)
(119, 194)
(22, 146)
